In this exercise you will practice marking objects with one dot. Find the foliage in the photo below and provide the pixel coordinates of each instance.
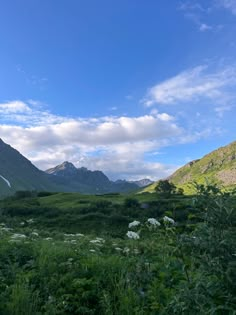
(165, 187)
(183, 261)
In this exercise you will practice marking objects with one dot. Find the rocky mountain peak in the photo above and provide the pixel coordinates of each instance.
(64, 169)
(67, 165)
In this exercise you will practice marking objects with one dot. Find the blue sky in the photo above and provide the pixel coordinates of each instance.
(133, 88)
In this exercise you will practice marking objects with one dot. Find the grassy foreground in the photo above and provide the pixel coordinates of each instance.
(76, 258)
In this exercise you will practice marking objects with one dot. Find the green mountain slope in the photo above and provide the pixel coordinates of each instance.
(217, 167)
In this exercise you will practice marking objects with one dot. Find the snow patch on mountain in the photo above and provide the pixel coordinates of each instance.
(7, 181)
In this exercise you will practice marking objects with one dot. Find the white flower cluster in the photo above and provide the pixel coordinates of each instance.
(98, 241)
(168, 220)
(30, 221)
(153, 222)
(132, 235)
(134, 224)
(17, 237)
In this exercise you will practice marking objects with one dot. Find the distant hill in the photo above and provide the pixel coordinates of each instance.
(218, 167)
(86, 181)
(142, 182)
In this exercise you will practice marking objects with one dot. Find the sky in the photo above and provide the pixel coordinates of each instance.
(135, 88)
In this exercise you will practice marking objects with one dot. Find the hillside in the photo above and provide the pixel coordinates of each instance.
(218, 167)
(18, 173)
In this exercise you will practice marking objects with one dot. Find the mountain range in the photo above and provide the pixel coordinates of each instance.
(18, 173)
(217, 167)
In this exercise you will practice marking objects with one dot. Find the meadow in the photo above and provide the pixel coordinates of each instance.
(117, 254)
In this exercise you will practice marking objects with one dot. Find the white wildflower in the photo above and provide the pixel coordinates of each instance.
(168, 220)
(22, 223)
(35, 234)
(134, 223)
(132, 235)
(95, 241)
(118, 249)
(6, 229)
(92, 250)
(48, 239)
(19, 236)
(153, 222)
(79, 234)
(30, 221)
(126, 250)
(100, 239)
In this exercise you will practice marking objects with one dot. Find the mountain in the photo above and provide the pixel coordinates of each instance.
(142, 182)
(86, 181)
(18, 173)
(218, 167)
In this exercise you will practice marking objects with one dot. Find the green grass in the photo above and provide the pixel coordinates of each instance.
(185, 268)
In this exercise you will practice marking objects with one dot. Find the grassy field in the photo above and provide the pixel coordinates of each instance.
(81, 254)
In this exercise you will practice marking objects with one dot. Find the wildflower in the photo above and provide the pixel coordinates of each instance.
(30, 221)
(35, 234)
(22, 223)
(14, 236)
(95, 241)
(100, 239)
(134, 223)
(6, 229)
(79, 234)
(153, 222)
(118, 249)
(126, 250)
(132, 235)
(168, 220)
(48, 239)
(92, 250)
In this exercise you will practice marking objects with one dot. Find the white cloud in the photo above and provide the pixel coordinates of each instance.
(205, 27)
(116, 145)
(193, 85)
(14, 107)
(229, 4)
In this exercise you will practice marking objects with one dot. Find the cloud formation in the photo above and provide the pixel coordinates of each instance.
(229, 4)
(113, 144)
(193, 85)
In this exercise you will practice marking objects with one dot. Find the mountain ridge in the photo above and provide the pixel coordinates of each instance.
(217, 167)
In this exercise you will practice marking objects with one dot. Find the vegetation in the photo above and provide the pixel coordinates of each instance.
(217, 167)
(146, 254)
(164, 187)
